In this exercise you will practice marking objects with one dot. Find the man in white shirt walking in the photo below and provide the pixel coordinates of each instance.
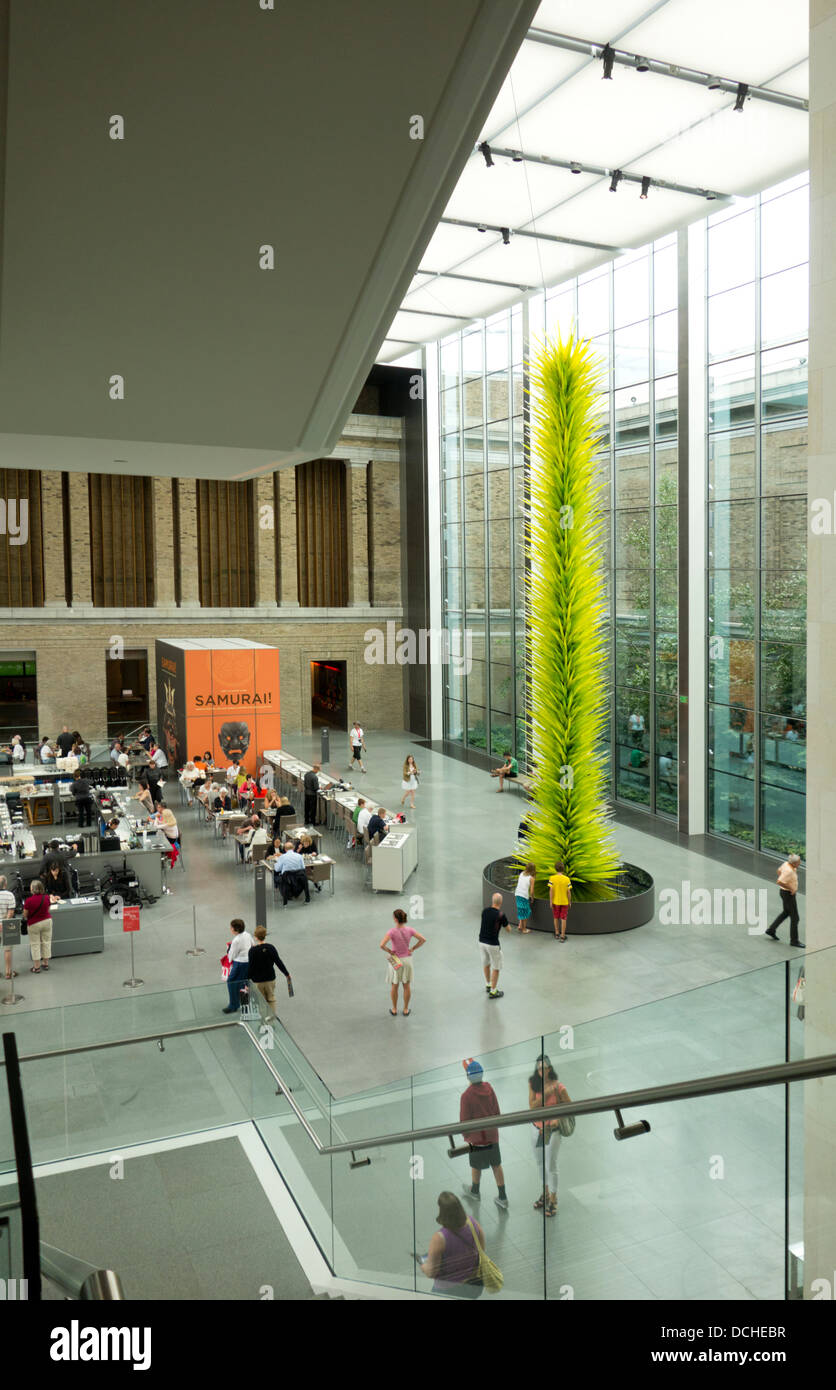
(788, 887)
(239, 954)
(357, 744)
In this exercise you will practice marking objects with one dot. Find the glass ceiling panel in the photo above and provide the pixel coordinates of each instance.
(744, 40)
(641, 122)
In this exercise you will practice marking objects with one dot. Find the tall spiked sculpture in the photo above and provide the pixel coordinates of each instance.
(567, 668)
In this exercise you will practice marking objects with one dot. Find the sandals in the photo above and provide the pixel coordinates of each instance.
(44, 964)
(34, 970)
(551, 1206)
(539, 1204)
(406, 1013)
(13, 975)
(394, 1013)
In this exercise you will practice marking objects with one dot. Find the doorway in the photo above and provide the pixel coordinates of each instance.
(328, 702)
(127, 692)
(18, 697)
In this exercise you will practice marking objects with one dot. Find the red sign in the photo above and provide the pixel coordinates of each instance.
(130, 919)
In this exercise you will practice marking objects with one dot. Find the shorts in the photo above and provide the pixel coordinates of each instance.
(491, 956)
(402, 975)
(560, 911)
(485, 1156)
(267, 988)
(356, 751)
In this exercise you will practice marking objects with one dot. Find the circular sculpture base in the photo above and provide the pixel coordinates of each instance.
(633, 904)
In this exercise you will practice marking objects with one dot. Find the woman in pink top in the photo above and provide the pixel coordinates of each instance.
(400, 971)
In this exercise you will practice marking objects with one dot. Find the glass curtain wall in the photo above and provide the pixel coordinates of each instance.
(756, 305)
(482, 463)
(756, 399)
(628, 309)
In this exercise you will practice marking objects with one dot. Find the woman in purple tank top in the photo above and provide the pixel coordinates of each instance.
(453, 1258)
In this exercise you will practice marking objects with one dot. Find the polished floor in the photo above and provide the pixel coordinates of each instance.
(339, 1015)
(693, 1209)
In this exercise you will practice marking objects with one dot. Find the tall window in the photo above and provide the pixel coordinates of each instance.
(121, 540)
(757, 517)
(482, 464)
(226, 543)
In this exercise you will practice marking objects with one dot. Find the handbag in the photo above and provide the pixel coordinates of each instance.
(226, 963)
(488, 1270)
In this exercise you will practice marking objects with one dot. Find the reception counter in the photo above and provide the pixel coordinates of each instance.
(77, 927)
(394, 859)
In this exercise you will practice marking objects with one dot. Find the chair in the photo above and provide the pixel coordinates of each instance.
(367, 856)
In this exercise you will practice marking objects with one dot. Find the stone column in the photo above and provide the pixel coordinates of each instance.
(79, 519)
(163, 544)
(265, 543)
(189, 587)
(818, 927)
(286, 531)
(357, 506)
(53, 520)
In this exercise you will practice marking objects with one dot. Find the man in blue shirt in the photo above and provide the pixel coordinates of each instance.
(293, 878)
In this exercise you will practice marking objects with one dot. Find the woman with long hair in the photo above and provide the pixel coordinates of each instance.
(453, 1257)
(409, 780)
(545, 1089)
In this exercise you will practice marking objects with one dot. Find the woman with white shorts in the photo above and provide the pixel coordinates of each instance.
(544, 1089)
(400, 969)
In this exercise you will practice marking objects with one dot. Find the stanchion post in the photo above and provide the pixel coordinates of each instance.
(130, 923)
(195, 950)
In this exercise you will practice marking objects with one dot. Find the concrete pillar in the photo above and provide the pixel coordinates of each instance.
(79, 519)
(819, 928)
(189, 588)
(163, 544)
(286, 524)
(265, 543)
(52, 515)
(357, 505)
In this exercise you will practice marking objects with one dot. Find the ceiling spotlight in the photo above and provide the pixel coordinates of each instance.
(506, 236)
(517, 157)
(645, 186)
(617, 176)
(714, 84)
(485, 149)
(742, 93)
(709, 196)
(608, 57)
(642, 65)
(576, 168)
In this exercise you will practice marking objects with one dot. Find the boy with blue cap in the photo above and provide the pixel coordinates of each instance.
(479, 1101)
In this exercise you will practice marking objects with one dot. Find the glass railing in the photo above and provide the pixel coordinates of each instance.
(708, 1203)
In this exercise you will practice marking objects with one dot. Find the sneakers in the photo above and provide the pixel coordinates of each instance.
(468, 1192)
(487, 989)
(502, 1202)
(496, 994)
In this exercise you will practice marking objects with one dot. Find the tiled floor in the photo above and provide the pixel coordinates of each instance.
(213, 1234)
(647, 1218)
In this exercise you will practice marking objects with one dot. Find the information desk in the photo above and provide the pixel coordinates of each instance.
(77, 927)
(394, 859)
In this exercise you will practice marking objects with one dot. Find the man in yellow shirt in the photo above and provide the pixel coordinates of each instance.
(560, 897)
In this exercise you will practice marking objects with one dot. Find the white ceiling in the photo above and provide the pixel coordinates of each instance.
(555, 103)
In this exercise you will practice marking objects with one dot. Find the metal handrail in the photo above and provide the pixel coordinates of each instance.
(78, 1279)
(156, 1037)
(782, 1073)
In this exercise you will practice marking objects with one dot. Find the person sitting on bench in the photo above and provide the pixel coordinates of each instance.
(509, 768)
